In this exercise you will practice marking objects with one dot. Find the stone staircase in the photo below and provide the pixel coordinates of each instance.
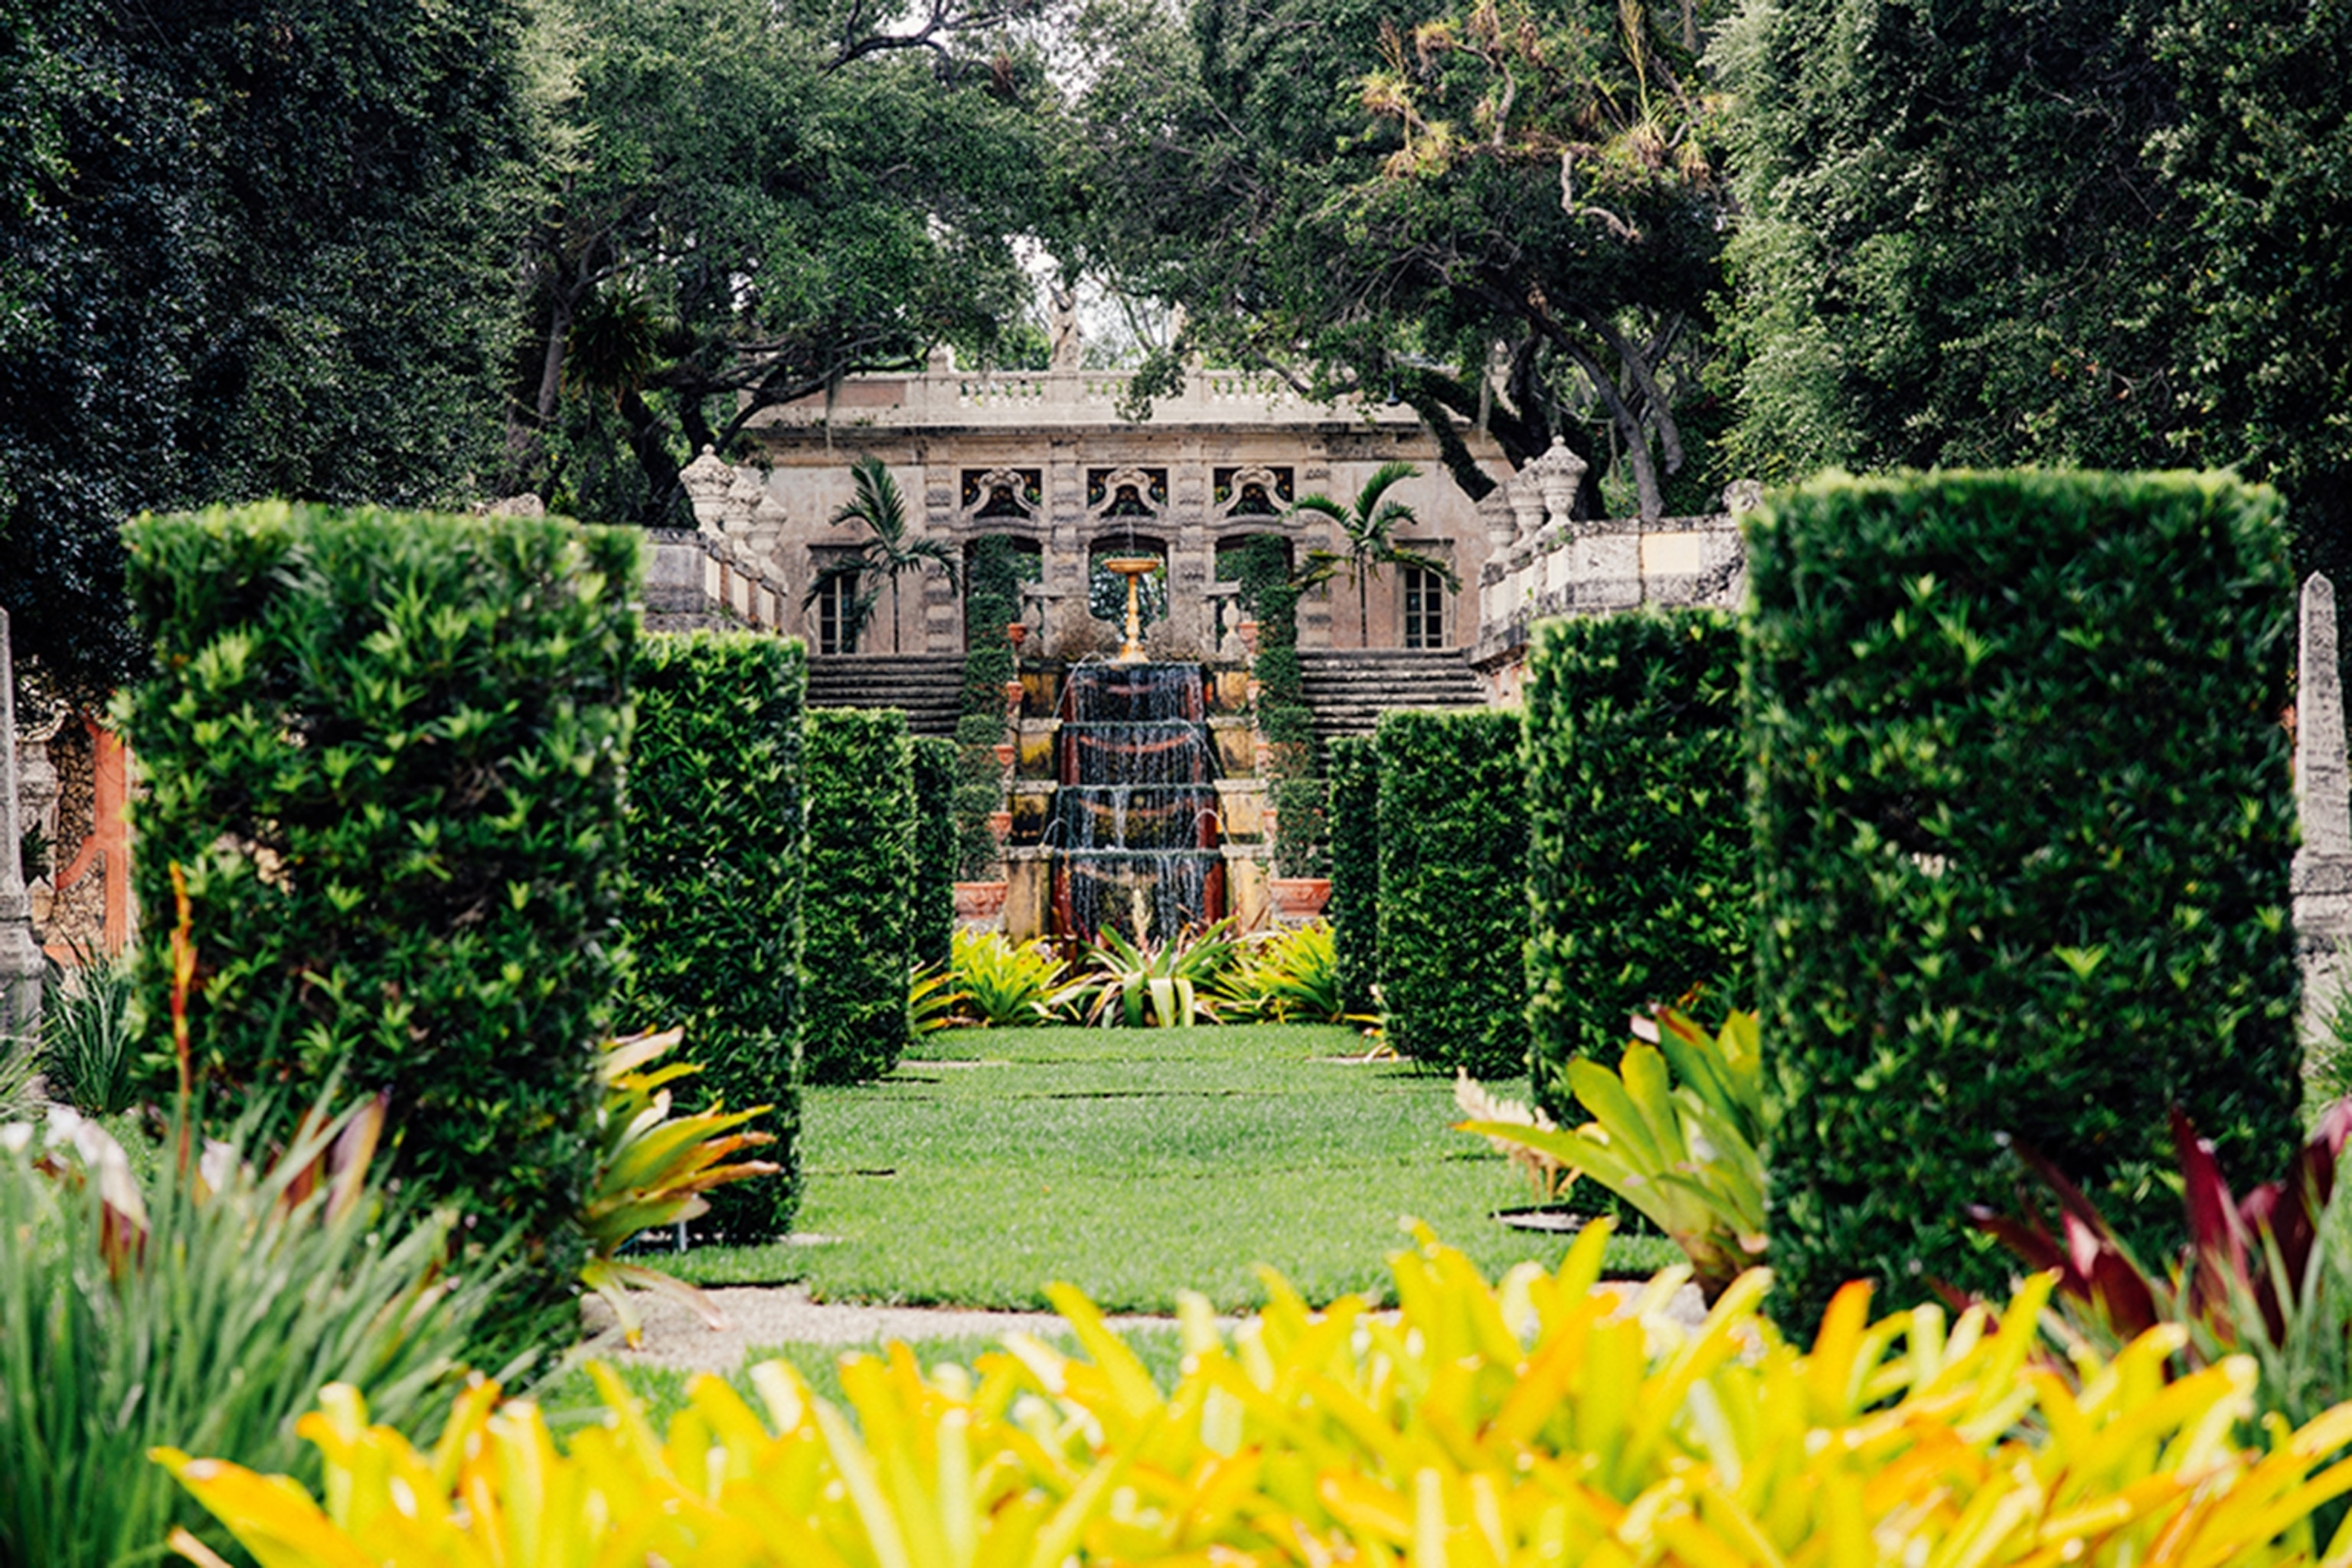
(1350, 689)
(928, 686)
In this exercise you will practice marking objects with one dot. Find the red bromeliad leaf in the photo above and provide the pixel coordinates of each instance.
(2217, 1237)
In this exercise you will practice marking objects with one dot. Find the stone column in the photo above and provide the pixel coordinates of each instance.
(1191, 559)
(2323, 866)
(20, 955)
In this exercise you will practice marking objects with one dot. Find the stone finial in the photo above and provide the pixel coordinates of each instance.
(1557, 474)
(706, 481)
(1526, 504)
(942, 360)
(1742, 496)
(1494, 511)
(2321, 778)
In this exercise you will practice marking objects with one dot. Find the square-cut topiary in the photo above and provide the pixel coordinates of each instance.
(386, 749)
(937, 852)
(1453, 901)
(712, 911)
(858, 896)
(2023, 829)
(1639, 849)
(1355, 829)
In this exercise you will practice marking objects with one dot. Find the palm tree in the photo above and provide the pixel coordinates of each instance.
(1369, 529)
(876, 503)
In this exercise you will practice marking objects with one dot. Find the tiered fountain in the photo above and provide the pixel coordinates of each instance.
(1134, 826)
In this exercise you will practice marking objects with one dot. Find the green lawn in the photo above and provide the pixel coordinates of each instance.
(1134, 1165)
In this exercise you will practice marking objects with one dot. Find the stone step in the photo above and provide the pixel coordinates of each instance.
(1350, 689)
(927, 686)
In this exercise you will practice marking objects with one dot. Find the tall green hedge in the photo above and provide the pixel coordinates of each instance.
(1355, 907)
(712, 911)
(2023, 827)
(1639, 851)
(935, 852)
(386, 749)
(1452, 898)
(857, 894)
(994, 573)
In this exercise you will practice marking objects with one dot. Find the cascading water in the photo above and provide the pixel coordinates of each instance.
(1134, 828)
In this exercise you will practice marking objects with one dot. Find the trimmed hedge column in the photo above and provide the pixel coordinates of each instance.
(713, 906)
(1638, 850)
(386, 749)
(1453, 893)
(936, 847)
(1355, 907)
(2023, 829)
(857, 897)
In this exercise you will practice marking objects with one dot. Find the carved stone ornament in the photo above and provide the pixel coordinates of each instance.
(1556, 475)
(1743, 495)
(1526, 504)
(707, 481)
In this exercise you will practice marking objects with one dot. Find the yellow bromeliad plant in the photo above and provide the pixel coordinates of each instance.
(1531, 1422)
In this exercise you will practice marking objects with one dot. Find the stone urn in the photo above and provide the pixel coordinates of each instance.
(980, 903)
(1016, 633)
(1247, 631)
(1299, 897)
(1000, 824)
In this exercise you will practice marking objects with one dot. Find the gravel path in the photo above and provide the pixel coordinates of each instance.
(760, 1316)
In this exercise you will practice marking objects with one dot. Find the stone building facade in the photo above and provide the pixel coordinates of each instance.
(1045, 459)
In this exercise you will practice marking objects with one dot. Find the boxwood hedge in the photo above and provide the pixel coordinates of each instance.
(937, 853)
(2023, 826)
(712, 911)
(1355, 828)
(386, 749)
(1639, 882)
(857, 893)
(1453, 893)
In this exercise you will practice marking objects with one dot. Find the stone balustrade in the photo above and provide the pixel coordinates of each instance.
(1587, 567)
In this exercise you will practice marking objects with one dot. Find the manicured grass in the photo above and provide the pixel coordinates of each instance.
(1135, 1164)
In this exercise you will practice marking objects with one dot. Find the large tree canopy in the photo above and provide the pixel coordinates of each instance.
(754, 201)
(248, 248)
(1499, 212)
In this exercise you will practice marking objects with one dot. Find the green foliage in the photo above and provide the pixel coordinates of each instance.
(1162, 985)
(655, 1170)
(1263, 565)
(995, 569)
(1327, 185)
(1283, 977)
(1283, 717)
(1638, 842)
(857, 895)
(998, 984)
(90, 1053)
(203, 1307)
(386, 749)
(1355, 838)
(2023, 827)
(1678, 1133)
(242, 259)
(850, 180)
(1452, 899)
(937, 857)
(712, 911)
(2032, 310)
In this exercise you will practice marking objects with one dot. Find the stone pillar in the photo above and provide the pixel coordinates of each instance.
(2323, 866)
(20, 955)
(1192, 558)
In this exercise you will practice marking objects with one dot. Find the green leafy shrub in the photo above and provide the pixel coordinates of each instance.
(1677, 1133)
(1638, 843)
(997, 568)
(89, 1055)
(937, 853)
(387, 749)
(1283, 717)
(1163, 985)
(205, 1303)
(998, 984)
(1283, 977)
(655, 1170)
(1452, 901)
(1355, 846)
(712, 911)
(857, 894)
(2023, 829)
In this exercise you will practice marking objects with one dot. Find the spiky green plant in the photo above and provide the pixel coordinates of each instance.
(206, 1305)
(1285, 977)
(1157, 984)
(86, 1047)
(1003, 983)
